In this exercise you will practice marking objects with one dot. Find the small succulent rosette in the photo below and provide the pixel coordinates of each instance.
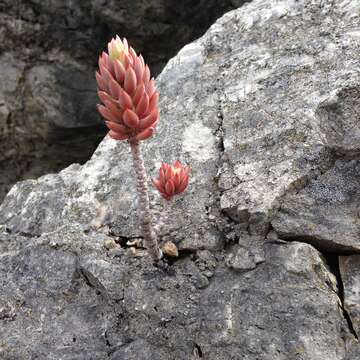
(172, 180)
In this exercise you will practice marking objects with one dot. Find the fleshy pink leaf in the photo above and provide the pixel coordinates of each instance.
(146, 76)
(142, 60)
(128, 60)
(176, 180)
(118, 113)
(143, 105)
(115, 89)
(154, 101)
(130, 119)
(169, 187)
(139, 70)
(119, 71)
(130, 81)
(106, 113)
(117, 136)
(149, 120)
(118, 128)
(147, 133)
(158, 185)
(138, 94)
(183, 185)
(132, 53)
(101, 82)
(150, 88)
(125, 100)
(104, 96)
(126, 45)
(106, 75)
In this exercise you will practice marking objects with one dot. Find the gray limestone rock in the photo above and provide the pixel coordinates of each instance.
(339, 120)
(350, 274)
(275, 81)
(65, 298)
(241, 259)
(353, 353)
(249, 106)
(326, 212)
(48, 56)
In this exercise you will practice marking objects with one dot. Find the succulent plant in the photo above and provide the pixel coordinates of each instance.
(173, 179)
(129, 96)
(131, 112)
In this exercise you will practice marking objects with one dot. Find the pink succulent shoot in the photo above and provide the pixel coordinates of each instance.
(172, 180)
(128, 94)
(131, 112)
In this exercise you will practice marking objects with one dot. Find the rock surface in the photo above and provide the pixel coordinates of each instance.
(264, 109)
(69, 298)
(326, 212)
(48, 55)
(353, 353)
(350, 273)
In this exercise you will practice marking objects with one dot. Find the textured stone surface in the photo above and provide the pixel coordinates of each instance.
(326, 212)
(77, 194)
(276, 136)
(249, 107)
(67, 297)
(256, 131)
(48, 55)
(353, 353)
(350, 274)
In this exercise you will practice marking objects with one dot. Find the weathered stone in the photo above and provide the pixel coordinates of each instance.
(244, 107)
(48, 56)
(55, 90)
(350, 275)
(273, 135)
(240, 259)
(339, 119)
(274, 85)
(353, 353)
(71, 301)
(326, 212)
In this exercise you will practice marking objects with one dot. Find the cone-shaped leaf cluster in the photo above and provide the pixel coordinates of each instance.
(173, 179)
(129, 97)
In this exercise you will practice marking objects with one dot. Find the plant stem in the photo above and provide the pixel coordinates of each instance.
(162, 224)
(149, 235)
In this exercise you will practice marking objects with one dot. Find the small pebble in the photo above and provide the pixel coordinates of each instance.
(110, 244)
(170, 249)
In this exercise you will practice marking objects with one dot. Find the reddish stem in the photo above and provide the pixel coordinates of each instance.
(149, 235)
